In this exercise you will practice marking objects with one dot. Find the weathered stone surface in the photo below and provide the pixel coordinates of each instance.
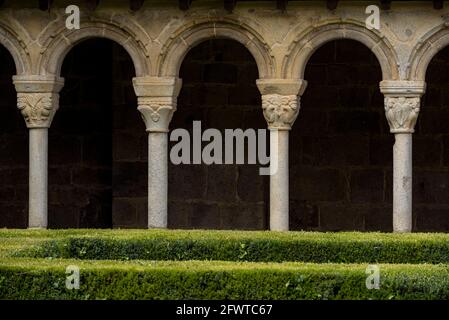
(341, 218)
(313, 184)
(367, 186)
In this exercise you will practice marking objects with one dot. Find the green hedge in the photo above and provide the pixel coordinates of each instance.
(266, 248)
(43, 279)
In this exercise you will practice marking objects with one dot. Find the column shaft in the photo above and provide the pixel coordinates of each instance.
(402, 183)
(279, 193)
(38, 177)
(157, 179)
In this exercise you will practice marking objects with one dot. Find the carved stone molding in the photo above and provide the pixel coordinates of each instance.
(280, 111)
(157, 112)
(38, 109)
(402, 113)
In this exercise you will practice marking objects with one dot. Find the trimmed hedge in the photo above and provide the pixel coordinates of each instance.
(44, 279)
(246, 246)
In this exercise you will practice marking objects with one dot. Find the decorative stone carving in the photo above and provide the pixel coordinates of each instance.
(402, 113)
(280, 111)
(38, 109)
(157, 112)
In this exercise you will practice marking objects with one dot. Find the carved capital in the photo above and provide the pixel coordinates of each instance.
(402, 113)
(157, 112)
(280, 111)
(38, 98)
(38, 109)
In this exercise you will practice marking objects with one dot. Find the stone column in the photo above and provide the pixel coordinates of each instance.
(280, 104)
(402, 104)
(157, 101)
(38, 100)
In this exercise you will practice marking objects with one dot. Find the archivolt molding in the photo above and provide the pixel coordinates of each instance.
(15, 44)
(192, 33)
(59, 40)
(308, 41)
(427, 47)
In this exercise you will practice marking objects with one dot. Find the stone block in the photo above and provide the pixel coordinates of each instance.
(130, 179)
(445, 140)
(220, 73)
(206, 96)
(381, 150)
(354, 122)
(378, 218)
(427, 151)
(315, 184)
(126, 146)
(64, 149)
(92, 176)
(354, 97)
(13, 176)
(97, 150)
(205, 216)
(247, 73)
(335, 150)
(367, 186)
(63, 217)
(433, 121)
(244, 217)
(310, 122)
(341, 218)
(124, 212)
(13, 215)
(352, 52)
(224, 118)
(303, 215)
(433, 97)
(191, 72)
(430, 187)
(179, 214)
(186, 181)
(222, 183)
(69, 196)
(14, 149)
(245, 95)
(59, 175)
(252, 187)
(431, 218)
(316, 74)
(319, 98)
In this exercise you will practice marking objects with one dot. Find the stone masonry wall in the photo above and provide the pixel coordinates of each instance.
(430, 153)
(13, 151)
(219, 78)
(340, 145)
(80, 148)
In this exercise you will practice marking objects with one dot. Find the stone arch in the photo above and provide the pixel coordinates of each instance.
(15, 45)
(59, 45)
(428, 46)
(314, 37)
(190, 35)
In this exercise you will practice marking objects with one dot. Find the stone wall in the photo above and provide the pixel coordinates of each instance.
(340, 145)
(431, 147)
(80, 146)
(13, 151)
(219, 89)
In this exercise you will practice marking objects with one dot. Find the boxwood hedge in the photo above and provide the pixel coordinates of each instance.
(44, 279)
(240, 246)
(156, 264)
